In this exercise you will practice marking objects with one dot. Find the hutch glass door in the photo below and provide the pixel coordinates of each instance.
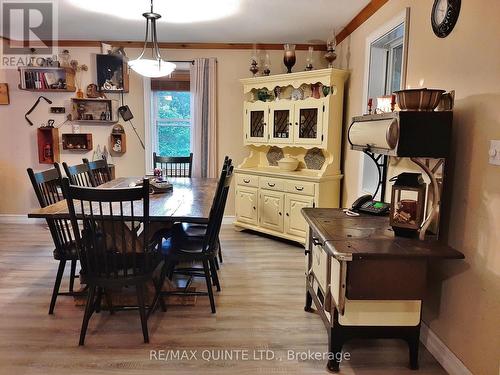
(256, 122)
(280, 122)
(308, 121)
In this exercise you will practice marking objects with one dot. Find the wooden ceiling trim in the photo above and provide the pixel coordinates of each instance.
(360, 18)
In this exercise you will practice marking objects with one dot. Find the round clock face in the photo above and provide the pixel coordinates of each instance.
(440, 12)
(444, 16)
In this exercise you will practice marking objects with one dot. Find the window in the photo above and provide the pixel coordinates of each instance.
(385, 66)
(171, 117)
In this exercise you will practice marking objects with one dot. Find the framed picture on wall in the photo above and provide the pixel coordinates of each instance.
(4, 93)
(112, 73)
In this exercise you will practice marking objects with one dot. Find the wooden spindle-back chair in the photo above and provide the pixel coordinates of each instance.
(79, 175)
(175, 166)
(99, 170)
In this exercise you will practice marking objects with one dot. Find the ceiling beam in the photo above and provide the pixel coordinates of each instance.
(360, 18)
(180, 45)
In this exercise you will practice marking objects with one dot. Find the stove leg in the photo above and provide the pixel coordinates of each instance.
(413, 344)
(308, 305)
(335, 343)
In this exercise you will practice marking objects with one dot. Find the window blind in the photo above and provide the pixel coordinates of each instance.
(177, 81)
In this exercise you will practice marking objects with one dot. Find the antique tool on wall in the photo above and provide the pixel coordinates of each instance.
(34, 106)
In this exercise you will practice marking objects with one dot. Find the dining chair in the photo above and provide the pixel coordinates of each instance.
(48, 190)
(176, 249)
(175, 166)
(199, 230)
(99, 170)
(114, 245)
(79, 175)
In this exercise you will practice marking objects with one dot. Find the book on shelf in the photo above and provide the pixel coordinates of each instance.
(38, 80)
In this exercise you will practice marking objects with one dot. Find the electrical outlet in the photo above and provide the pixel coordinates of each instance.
(494, 152)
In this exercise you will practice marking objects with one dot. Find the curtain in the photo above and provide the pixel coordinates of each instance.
(203, 79)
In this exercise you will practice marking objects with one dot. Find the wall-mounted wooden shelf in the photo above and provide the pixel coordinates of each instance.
(90, 110)
(48, 145)
(118, 140)
(77, 142)
(45, 79)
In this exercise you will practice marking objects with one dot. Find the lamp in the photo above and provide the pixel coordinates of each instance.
(155, 66)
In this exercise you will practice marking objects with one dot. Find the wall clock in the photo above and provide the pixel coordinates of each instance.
(444, 16)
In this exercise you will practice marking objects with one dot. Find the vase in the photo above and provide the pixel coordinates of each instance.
(289, 57)
(79, 94)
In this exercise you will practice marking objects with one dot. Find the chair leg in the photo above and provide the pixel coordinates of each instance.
(158, 289)
(209, 285)
(72, 275)
(89, 309)
(215, 276)
(98, 300)
(220, 251)
(216, 262)
(57, 284)
(142, 312)
(109, 301)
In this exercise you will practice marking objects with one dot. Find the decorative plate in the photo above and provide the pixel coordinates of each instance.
(297, 94)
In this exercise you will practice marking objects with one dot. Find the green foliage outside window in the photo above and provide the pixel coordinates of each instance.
(173, 123)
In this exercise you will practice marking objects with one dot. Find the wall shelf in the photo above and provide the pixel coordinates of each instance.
(48, 145)
(77, 141)
(46, 78)
(90, 110)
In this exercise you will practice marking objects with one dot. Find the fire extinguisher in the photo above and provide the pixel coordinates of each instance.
(47, 151)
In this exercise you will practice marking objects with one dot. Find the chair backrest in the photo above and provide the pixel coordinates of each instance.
(99, 170)
(48, 190)
(175, 166)
(217, 210)
(114, 243)
(79, 175)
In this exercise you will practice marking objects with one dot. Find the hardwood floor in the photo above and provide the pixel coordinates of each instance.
(260, 307)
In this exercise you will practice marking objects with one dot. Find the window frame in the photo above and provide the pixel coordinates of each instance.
(151, 119)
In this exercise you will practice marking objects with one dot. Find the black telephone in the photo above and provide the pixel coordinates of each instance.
(367, 205)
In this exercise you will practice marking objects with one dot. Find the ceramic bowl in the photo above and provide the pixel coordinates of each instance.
(288, 164)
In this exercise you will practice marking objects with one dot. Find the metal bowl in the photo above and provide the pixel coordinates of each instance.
(418, 99)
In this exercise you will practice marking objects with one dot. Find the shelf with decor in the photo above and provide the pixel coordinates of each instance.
(77, 141)
(293, 129)
(46, 79)
(95, 111)
(48, 145)
(118, 140)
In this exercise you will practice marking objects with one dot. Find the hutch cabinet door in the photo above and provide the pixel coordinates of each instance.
(256, 122)
(308, 121)
(271, 210)
(281, 122)
(246, 205)
(295, 224)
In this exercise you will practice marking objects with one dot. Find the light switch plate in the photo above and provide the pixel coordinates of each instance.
(494, 152)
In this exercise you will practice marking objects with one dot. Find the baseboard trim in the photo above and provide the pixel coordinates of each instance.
(450, 362)
(228, 219)
(19, 219)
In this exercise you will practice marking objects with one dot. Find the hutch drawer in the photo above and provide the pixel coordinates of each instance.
(247, 180)
(270, 183)
(300, 187)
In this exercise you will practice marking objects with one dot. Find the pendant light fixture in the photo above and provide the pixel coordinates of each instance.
(154, 66)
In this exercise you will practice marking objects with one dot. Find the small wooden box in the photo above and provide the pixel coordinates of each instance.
(48, 145)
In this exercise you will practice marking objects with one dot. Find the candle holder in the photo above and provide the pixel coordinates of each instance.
(267, 65)
(289, 57)
(330, 54)
(309, 59)
(254, 67)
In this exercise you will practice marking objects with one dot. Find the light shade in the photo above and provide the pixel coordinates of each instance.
(152, 67)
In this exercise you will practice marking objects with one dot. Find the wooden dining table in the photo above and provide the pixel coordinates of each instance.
(189, 201)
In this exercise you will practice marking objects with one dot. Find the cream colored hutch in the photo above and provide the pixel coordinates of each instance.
(297, 115)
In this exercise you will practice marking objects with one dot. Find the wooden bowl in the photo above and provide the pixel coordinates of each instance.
(418, 99)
